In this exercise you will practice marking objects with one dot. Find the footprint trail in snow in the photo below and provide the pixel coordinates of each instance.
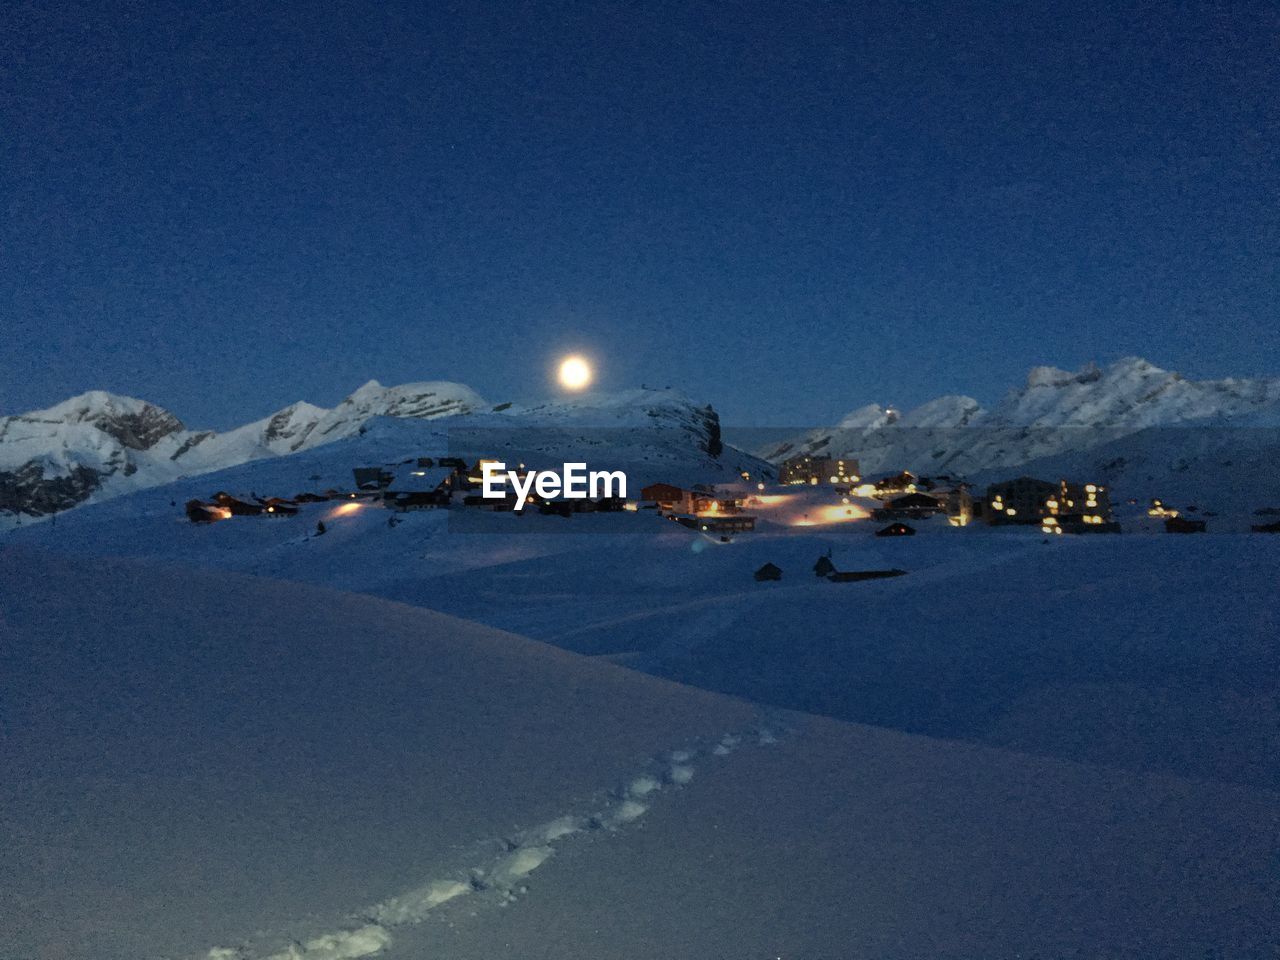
(501, 876)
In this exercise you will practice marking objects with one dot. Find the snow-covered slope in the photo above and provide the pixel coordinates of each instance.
(1053, 413)
(99, 446)
(204, 765)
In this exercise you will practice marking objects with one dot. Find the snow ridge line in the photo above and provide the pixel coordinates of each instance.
(369, 931)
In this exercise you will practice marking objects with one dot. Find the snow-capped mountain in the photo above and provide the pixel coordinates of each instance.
(1054, 412)
(98, 445)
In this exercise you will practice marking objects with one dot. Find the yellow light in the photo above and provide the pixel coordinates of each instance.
(1090, 488)
(1012, 512)
(346, 509)
(575, 373)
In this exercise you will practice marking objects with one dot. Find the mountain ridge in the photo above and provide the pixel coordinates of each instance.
(1055, 411)
(99, 445)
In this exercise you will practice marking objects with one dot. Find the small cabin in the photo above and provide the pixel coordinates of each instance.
(824, 567)
(770, 571)
(896, 530)
(1183, 525)
(854, 576)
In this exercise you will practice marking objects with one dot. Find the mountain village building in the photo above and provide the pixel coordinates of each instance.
(807, 469)
(419, 488)
(1062, 507)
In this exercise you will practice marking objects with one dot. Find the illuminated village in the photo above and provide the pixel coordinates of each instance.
(821, 492)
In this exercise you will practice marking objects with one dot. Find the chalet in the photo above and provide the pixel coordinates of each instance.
(473, 476)
(237, 506)
(727, 523)
(769, 571)
(808, 469)
(310, 498)
(826, 569)
(896, 530)
(420, 488)
(895, 484)
(278, 507)
(200, 512)
(670, 499)
(910, 506)
(372, 478)
(1183, 525)
(502, 504)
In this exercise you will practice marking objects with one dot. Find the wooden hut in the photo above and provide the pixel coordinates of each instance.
(769, 571)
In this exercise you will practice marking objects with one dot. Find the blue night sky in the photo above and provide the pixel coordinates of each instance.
(788, 210)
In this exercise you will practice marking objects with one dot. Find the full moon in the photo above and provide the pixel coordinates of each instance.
(575, 373)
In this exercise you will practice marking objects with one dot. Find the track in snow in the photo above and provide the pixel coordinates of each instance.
(502, 876)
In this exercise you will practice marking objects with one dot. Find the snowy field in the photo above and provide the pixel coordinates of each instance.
(1151, 650)
(210, 765)
(427, 738)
